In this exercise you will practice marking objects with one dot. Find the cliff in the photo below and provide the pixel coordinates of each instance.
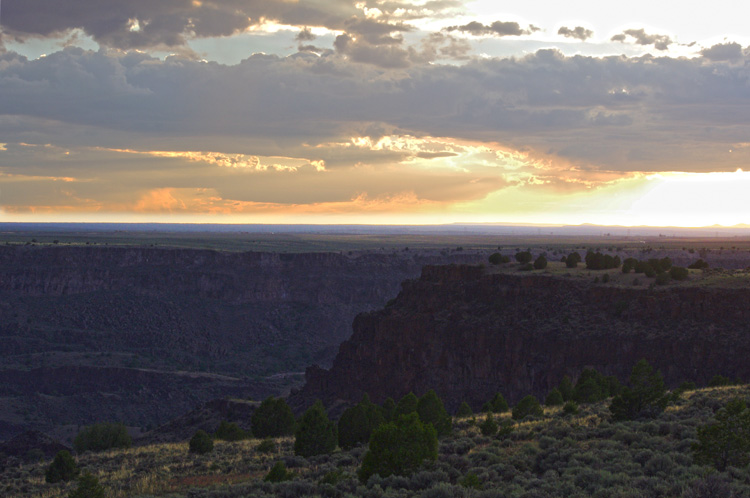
(104, 333)
(468, 334)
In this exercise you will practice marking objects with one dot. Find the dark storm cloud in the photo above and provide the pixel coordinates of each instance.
(497, 28)
(579, 32)
(620, 113)
(640, 37)
(148, 23)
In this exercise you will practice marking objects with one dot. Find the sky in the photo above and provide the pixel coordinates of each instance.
(375, 111)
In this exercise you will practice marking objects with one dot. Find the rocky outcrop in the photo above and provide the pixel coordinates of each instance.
(468, 334)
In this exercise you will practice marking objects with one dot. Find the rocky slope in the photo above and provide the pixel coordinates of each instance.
(468, 333)
(106, 333)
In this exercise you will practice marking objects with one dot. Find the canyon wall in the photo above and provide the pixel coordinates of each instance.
(468, 333)
(105, 333)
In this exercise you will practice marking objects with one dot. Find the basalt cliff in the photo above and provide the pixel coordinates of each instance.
(142, 335)
(468, 332)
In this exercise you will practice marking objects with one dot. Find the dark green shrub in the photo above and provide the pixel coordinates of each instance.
(406, 405)
(496, 405)
(464, 410)
(591, 387)
(645, 397)
(278, 473)
(431, 410)
(100, 437)
(570, 408)
(62, 468)
(572, 260)
(266, 446)
(540, 263)
(526, 267)
(471, 481)
(554, 398)
(357, 423)
(201, 443)
(726, 441)
(399, 447)
(719, 381)
(679, 273)
(88, 487)
(566, 388)
(389, 408)
(528, 406)
(698, 265)
(273, 418)
(523, 257)
(316, 434)
(496, 258)
(489, 426)
(506, 429)
(229, 431)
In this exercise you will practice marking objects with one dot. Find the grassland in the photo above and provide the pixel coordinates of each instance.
(556, 455)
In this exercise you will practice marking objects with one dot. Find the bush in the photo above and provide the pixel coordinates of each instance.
(527, 406)
(431, 411)
(566, 388)
(278, 473)
(273, 418)
(316, 434)
(719, 381)
(496, 405)
(572, 260)
(229, 431)
(727, 441)
(464, 410)
(570, 408)
(399, 448)
(201, 443)
(498, 259)
(698, 265)
(523, 257)
(266, 446)
(645, 397)
(357, 423)
(489, 426)
(62, 468)
(679, 273)
(540, 263)
(554, 398)
(406, 405)
(389, 408)
(88, 487)
(100, 437)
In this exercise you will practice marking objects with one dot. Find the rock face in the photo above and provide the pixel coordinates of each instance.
(468, 334)
(94, 334)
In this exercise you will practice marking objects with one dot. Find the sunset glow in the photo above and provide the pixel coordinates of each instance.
(376, 112)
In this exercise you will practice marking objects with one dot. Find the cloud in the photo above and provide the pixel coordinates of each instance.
(316, 129)
(660, 42)
(579, 32)
(497, 28)
(169, 24)
(723, 52)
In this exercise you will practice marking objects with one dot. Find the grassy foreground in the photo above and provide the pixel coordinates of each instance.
(555, 455)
